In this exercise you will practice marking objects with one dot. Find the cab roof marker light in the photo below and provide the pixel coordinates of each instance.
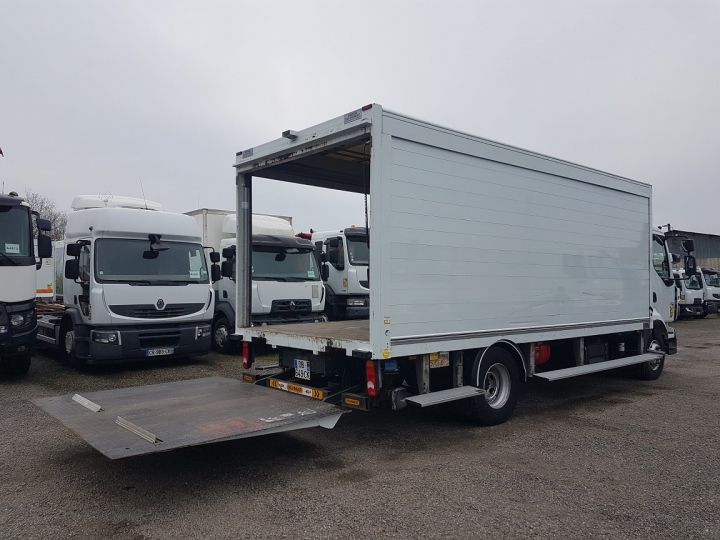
(290, 134)
(367, 107)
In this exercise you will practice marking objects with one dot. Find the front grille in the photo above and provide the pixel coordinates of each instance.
(291, 306)
(715, 295)
(697, 301)
(149, 311)
(159, 339)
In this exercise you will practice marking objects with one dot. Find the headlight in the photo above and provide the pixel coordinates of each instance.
(3, 329)
(202, 331)
(111, 337)
(17, 319)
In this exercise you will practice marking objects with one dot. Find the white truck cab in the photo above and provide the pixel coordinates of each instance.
(136, 284)
(18, 266)
(286, 284)
(344, 256)
(711, 299)
(664, 292)
(690, 297)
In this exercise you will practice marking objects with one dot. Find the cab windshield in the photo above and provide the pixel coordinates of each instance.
(16, 247)
(358, 250)
(693, 283)
(122, 260)
(283, 264)
(712, 280)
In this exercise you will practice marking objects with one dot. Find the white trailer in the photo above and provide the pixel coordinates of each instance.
(136, 284)
(490, 266)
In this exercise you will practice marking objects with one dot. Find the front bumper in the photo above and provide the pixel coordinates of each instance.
(135, 342)
(691, 310)
(712, 306)
(284, 318)
(17, 344)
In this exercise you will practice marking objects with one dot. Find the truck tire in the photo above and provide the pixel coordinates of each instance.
(15, 365)
(498, 376)
(650, 371)
(221, 335)
(68, 350)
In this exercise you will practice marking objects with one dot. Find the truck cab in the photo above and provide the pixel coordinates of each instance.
(344, 257)
(18, 265)
(664, 292)
(711, 279)
(690, 295)
(136, 284)
(286, 283)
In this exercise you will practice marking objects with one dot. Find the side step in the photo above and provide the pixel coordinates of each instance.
(566, 373)
(444, 396)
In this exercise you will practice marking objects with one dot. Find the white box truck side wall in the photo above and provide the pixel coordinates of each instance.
(477, 247)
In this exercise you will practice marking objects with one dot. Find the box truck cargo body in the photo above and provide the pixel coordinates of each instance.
(489, 266)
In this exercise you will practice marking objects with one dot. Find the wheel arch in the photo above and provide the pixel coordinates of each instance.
(508, 346)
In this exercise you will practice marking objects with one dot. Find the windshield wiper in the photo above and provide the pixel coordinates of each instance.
(9, 259)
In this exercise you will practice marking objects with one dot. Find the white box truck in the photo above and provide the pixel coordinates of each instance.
(136, 284)
(18, 266)
(286, 284)
(491, 265)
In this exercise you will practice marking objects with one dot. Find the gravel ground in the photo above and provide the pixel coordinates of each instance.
(600, 456)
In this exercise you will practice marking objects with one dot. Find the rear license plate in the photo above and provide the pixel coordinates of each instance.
(302, 369)
(160, 351)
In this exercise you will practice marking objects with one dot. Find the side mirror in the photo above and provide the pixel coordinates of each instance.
(226, 269)
(688, 245)
(72, 269)
(690, 266)
(228, 252)
(324, 272)
(214, 257)
(73, 249)
(215, 274)
(45, 250)
(43, 224)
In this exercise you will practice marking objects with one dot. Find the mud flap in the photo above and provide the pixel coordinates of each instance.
(157, 418)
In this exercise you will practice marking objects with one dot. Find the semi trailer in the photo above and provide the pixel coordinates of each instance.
(19, 256)
(286, 284)
(135, 284)
(491, 266)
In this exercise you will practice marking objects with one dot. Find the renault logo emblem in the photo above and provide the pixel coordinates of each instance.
(292, 304)
(160, 303)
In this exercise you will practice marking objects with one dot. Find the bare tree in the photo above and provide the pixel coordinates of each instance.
(48, 210)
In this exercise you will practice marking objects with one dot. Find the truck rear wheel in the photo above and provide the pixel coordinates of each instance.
(497, 375)
(15, 365)
(221, 335)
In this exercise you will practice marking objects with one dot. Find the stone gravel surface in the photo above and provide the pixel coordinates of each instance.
(601, 456)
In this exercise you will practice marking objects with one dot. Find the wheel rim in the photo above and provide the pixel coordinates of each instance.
(497, 385)
(221, 336)
(655, 346)
(69, 342)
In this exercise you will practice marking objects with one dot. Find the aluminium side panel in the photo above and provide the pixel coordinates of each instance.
(483, 242)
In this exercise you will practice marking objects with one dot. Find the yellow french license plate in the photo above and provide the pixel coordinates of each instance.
(293, 388)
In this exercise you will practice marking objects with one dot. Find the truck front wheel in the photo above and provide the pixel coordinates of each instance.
(496, 373)
(650, 371)
(221, 335)
(68, 348)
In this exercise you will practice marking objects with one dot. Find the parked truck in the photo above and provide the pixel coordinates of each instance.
(286, 284)
(491, 266)
(344, 258)
(18, 264)
(690, 297)
(711, 290)
(136, 284)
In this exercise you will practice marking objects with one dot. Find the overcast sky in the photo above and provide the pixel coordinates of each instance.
(95, 95)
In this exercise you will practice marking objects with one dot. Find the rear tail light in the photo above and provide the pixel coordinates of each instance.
(247, 355)
(372, 378)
